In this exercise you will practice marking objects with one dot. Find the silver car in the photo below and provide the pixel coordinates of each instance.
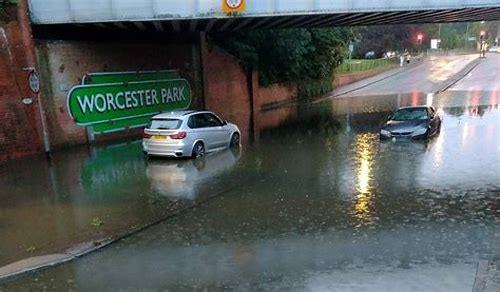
(188, 134)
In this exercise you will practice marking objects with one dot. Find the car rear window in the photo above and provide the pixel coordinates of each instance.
(165, 124)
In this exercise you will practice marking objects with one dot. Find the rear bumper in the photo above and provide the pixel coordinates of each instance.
(166, 149)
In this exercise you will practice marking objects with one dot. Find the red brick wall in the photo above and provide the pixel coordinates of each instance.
(348, 78)
(227, 93)
(64, 63)
(226, 89)
(61, 64)
(274, 106)
(20, 126)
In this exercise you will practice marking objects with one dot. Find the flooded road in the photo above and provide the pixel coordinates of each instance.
(318, 204)
(426, 75)
(92, 194)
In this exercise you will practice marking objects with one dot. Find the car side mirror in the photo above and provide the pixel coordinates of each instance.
(224, 122)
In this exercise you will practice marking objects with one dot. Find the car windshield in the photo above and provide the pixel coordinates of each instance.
(165, 124)
(408, 114)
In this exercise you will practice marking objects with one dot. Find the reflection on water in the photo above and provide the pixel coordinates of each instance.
(184, 179)
(466, 132)
(48, 207)
(365, 145)
(309, 198)
(438, 147)
(430, 99)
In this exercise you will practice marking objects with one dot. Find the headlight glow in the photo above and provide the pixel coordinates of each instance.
(385, 132)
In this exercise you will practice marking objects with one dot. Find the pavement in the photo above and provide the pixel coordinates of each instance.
(318, 204)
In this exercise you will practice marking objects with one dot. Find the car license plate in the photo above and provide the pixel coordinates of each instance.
(159, 137)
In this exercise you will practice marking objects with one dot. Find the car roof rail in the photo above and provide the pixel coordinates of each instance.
(188, 113)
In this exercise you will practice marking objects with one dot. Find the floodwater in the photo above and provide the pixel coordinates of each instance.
(92, 194)
(318, 204)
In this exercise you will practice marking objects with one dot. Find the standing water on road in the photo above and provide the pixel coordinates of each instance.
(318, 204)
(89, 195)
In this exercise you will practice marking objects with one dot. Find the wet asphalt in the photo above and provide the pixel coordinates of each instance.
(320, 204)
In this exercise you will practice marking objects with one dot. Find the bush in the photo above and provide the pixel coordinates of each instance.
(289, 56)
(313, 88)
(4, 4)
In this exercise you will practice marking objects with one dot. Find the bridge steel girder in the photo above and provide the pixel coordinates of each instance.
(243, 23)
(399, 15)
(441, 16)
(343, 18)
(278, 21)
(205, 15)
(259, 22)
(79, 11)
(382, 17)
(358, 20)
(412, 19)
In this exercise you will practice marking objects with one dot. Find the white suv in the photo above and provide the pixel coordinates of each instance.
(188, 134)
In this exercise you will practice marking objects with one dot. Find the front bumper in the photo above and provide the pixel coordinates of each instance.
(403, 136)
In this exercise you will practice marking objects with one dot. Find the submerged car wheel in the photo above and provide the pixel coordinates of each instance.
(198, 150)
(235, 140)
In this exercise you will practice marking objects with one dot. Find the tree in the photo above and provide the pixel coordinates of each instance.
(288, 55)
(4, 5)
(384, 38)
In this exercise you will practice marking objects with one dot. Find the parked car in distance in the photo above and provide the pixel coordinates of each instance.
(390, 54)
(370, 55)
(188, 134)
(412, 122)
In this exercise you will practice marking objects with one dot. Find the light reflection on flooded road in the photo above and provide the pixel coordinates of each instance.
(48, 207)
(365, 147)
(322, 205)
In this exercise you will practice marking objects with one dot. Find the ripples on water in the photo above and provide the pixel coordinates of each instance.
(316, 198)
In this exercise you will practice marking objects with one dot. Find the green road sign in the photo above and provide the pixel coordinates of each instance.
(115, 103)
(113, 126)
(119, 77)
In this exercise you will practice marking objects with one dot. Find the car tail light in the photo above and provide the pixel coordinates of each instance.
(146, 135)
(179, 136)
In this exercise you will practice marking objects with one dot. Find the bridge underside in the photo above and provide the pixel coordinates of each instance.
(226, 24)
